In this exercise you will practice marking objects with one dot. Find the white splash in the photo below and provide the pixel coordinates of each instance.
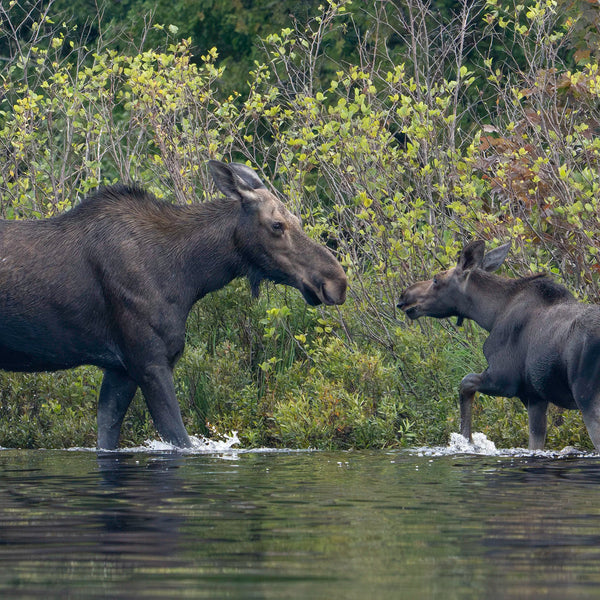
(200, 445)
(482, 446)
(223, 444)
(461, 445)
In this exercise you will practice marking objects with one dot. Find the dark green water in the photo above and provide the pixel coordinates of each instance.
(75, 524)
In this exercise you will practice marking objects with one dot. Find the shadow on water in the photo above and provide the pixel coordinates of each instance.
(402, 524)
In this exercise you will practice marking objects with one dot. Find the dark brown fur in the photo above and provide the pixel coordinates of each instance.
(543, 347)
(111, 282)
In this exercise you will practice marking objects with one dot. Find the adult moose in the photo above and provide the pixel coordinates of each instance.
(112, 281)
(543, 347)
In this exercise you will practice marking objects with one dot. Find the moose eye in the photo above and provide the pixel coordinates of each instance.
(435, 280)
(277, 227)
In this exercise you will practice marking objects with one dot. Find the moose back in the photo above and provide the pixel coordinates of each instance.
(543, 347)
(111, 282)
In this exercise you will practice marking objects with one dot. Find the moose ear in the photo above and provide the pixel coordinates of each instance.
(471, 256)
(247, 175)
(234, 180)
(494, 258)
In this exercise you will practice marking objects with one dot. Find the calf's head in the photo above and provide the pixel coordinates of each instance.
(271, 241)
(448, 293)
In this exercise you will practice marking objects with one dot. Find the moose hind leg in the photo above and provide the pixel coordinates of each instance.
(116, 394)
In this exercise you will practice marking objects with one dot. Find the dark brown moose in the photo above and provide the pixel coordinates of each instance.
(543, 346)
(111, 282)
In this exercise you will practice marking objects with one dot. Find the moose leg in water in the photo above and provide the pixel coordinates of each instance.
(159, 392)
(467, 390)
(490, 382)
(116, 394)
(537, 411)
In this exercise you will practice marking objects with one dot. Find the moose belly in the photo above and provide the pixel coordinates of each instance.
(29, 346)
(15, 360)
(56, 360)
(547, 379)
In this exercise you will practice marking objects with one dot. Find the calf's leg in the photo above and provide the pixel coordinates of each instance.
(466, 391)
(591, 418)
(116, 394)
(538, 422)
(159, 392)
(487, 382)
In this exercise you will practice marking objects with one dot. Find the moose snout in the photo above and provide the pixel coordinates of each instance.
(409, 302)
(405, 300)
(404, 304)
(328, 289)
(333, 290)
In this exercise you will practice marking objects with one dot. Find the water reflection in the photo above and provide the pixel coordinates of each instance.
(554, 530)
(309, 525)
(133, 522)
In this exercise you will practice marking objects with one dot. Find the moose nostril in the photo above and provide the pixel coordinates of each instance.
(326, 296)
(332, 293)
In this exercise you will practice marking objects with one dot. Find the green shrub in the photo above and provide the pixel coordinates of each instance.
(49, 410)
(394, 159)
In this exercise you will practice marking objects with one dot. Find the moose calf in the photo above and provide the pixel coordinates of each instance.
(543, 345)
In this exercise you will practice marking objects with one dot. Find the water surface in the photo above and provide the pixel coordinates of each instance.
(426, 523)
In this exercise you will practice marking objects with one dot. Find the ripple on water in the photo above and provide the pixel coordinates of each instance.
(154, 521)
(230, 445)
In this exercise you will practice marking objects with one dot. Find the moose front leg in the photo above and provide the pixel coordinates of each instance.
(488, 382)
(159, 392)
(467, 390)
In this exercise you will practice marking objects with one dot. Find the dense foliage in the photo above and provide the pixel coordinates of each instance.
(396, 130)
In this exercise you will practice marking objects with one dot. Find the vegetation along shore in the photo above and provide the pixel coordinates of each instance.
(396, 131)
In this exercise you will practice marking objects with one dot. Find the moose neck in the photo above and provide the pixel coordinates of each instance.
(210, 259)
(486, 297)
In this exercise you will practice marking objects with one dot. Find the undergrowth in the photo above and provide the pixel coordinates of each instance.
(431, 132)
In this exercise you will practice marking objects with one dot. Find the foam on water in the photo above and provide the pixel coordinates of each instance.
(200, 445)
(225, 446)
(228, 447)
(481, 445)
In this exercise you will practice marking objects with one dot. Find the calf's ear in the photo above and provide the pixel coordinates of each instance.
(494, 258)
(471, 256)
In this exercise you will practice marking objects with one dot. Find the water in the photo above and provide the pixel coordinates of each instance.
(457, 522)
